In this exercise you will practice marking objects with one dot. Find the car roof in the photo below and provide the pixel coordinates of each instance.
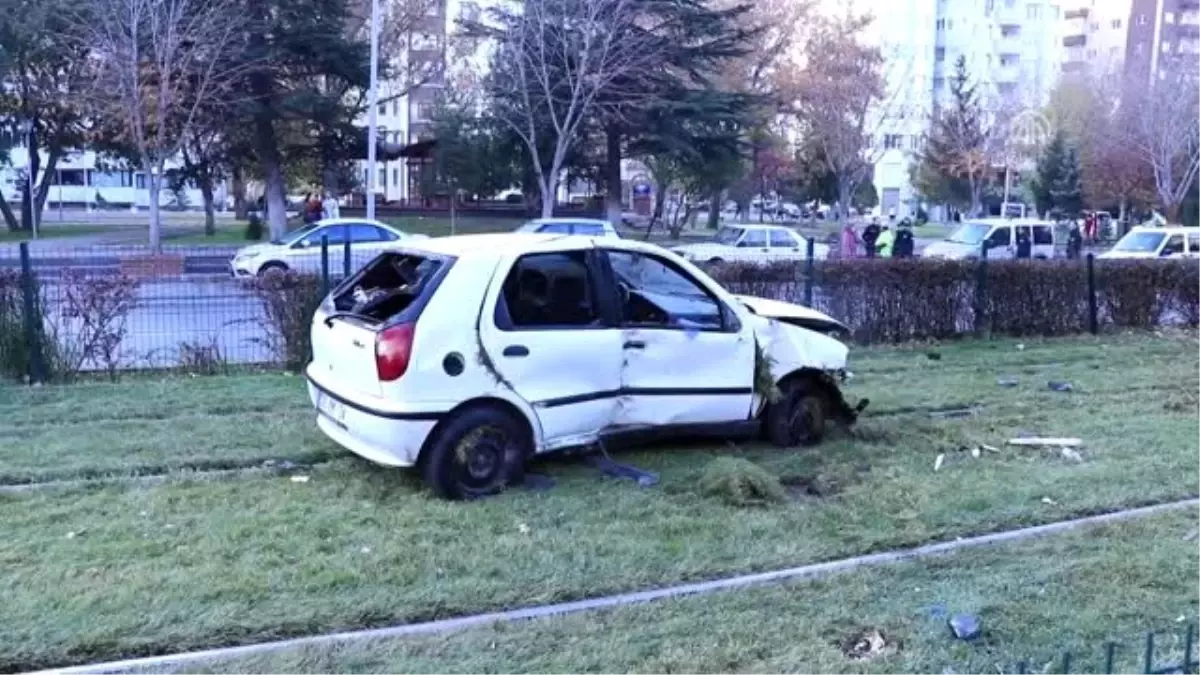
(1006, 221)
(1164, 228)
(589, 221)
(494, 245)
(350, 221)
(764, 226)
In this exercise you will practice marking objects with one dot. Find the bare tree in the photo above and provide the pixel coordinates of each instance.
(553, 60)
(157, 64)
(841, 92)
(1167, 136)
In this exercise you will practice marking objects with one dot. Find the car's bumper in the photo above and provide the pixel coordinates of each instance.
(384, 437)
(241, 268)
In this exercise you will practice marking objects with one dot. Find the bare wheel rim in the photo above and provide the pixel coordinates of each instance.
(481, 456)
(804, 415)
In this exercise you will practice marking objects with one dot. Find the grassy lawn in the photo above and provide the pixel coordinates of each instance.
(190, 563)
(1036, 598)
(56, 231)
(234, 234)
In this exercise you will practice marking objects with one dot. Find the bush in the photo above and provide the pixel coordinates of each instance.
(88, 327)
(1135, 293)
(254, 228)
(14, 347)
(895, 300)
(740, 482)
(289, 301)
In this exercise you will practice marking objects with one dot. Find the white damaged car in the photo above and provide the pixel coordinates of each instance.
(464, 356)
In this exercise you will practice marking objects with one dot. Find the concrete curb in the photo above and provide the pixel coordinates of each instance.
(744, 581)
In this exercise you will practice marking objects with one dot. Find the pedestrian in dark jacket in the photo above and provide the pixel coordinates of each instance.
(904, 246)
(1074, 242)
(1024, 244)
(869, 236)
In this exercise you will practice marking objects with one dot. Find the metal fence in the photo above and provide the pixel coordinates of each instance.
(100, 308)
(1178, 658)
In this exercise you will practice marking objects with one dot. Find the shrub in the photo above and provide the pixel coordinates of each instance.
(1036, 297)
(88, 324)
(1135, 293)
(254, 228)
(740, 482)
(1186, 296)
(289, 301)
(14, 347)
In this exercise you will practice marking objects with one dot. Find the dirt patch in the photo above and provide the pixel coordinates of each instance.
(819, 486)
(868, 643)
(1182, 400)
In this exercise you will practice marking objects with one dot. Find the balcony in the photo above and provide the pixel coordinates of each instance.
(1081, 13)
(1074, 40)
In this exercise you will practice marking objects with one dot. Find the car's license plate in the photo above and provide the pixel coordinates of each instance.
(331, 408)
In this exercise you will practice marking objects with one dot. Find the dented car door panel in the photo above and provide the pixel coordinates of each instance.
(547, 341)
(686, 359)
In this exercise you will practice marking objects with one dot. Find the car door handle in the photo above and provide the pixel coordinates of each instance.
(516, 351)
(634, 344)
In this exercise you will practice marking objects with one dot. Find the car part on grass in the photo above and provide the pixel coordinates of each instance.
(1064, 387)
(1008, 381)
(1046, 442)
(600, 460)
(965, 626)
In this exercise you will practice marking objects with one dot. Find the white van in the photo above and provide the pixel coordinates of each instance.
(1157, 242)
(1001, 236)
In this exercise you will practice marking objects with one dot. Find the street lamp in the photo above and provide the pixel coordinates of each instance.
(373, 115)
(26, 127)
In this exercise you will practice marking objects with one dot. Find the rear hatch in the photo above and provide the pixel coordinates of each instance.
(392, 289)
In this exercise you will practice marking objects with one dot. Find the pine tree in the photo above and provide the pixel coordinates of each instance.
(1049, 170)
(1066, 193)
(953, 165)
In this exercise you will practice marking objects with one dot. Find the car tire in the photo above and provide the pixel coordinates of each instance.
(715, 261)
(800, 416)
(273, 267)
(476, 453)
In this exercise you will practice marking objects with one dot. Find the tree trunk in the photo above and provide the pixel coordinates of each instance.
(329, 178)
(154, 183)
(549, 186)
(612, 175)
(210, 211)
(1174, 213)
(276, 193)
(714, 210)
(28, 199)
(240, 208)
(43, 186)
(10, 218)
(844, 201)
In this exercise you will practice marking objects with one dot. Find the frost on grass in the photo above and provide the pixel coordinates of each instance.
(740, 482)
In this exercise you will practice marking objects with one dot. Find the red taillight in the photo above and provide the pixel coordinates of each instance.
(393, 348)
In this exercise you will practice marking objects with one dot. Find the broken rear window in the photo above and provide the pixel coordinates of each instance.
(388, 285)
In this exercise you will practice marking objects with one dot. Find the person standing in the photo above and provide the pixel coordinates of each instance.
(870, 236)
(885, 241)
(1024, 244)
(849, 241)
(905, 245)
(330, 207)
(1074, 241)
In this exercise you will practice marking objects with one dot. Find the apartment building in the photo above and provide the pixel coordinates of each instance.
(1162, 34)
(1012, 51)
(1095, 35)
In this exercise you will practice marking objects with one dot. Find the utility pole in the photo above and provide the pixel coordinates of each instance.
(373, 115)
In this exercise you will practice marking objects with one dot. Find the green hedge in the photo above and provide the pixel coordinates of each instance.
(894, 300)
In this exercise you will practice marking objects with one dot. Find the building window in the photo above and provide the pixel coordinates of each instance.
(1116, 24)
(1010, 3)
(939, 54)
(1033, 11)
(1166, 47)
(381, 177)
(1169, 17)
(396, 177)
(383, 108)
(939, 83)
(892, 141)
(1010, 31)
(1009, 59)
(1139, 49)
(941, 24)
(1141, 20)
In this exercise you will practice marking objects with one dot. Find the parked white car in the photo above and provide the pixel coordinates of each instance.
(588, 227)
(752, 244)
(966, 242)
(1156, 242)
(300, 249)
(466, 355)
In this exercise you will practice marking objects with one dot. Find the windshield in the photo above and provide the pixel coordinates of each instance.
(728, 235)
(1140, 242)
(296, 235)
(970, 233)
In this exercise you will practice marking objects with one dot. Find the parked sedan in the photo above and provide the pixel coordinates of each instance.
(588, 227)
(300, 249)
(465, 356)
(752, 244)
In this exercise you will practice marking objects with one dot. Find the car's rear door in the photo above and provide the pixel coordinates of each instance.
(686, 358)
(545, 332)
(785, 245)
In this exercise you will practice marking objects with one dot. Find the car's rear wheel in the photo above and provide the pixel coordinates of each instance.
(801, 414)
(476, 453)
(715, 261)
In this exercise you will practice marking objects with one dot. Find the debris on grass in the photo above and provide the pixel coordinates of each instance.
(1008, 381)
(299, 479)
(933, 356)
(965, 626)
(867, 644)
(1064, 387)
(523, 528)
(975, 452)
(937, 463)
(740, 482)
(1049, 502)
(954, 413)
(989, 448)
(819, 486)
(1072, 454)
(76, 533)
(1039, 442)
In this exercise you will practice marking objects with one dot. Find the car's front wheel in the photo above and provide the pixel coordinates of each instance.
(272, 268)
(800, 415)
(476, 453)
